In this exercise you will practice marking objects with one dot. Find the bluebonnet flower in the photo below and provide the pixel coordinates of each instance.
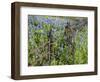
(39, 26)
(36, 17)
(48, 21)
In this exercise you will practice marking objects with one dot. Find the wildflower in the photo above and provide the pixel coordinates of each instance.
(48, 21)
(39, 26)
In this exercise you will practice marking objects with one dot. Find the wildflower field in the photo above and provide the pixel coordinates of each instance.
(57, 40)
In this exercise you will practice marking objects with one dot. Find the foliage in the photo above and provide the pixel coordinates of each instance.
(48, 42)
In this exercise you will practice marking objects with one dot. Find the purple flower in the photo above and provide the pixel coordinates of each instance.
(35, 17)
(48, 21)
(39, 26)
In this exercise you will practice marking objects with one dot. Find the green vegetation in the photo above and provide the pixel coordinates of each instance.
(51, 41)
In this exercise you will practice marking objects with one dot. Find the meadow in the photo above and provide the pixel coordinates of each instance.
(57, 40)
